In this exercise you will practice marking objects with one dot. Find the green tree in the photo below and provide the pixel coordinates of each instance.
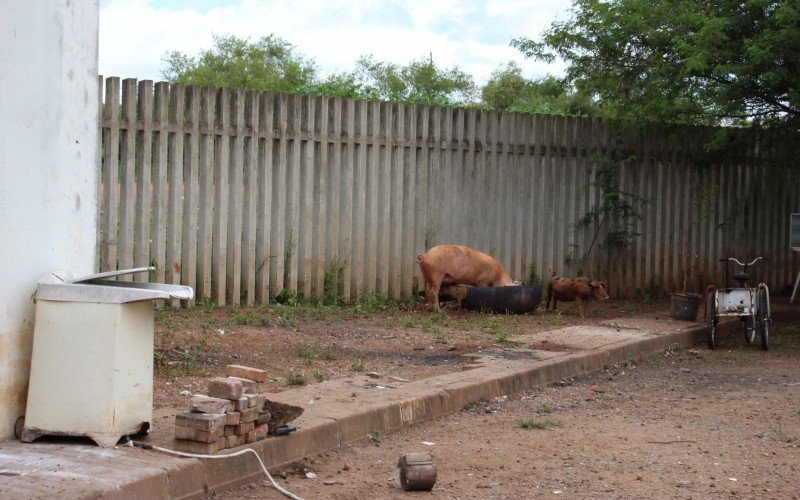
(507, 89)
(267, 64)
(683, 61)
(421, 81)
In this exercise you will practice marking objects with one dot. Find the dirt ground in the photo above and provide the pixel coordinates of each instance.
(307, 344)
(688, 424)
(694, 423)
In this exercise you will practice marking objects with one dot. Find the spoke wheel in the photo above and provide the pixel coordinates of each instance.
(712, 321)
(763, 318)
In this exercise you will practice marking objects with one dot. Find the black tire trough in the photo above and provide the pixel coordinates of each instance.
(503, 299)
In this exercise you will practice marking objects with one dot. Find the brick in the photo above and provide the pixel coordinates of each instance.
(197, 447)
(248, 386)
(230, 430)
(263, 418)
(233, 418)
(200, 421)
(263, 387)
(242, 429)
(232, 441)
(201, 436)
(250, 437)
(225, 388)
(241, 404)
(262, 431)
(257, 401)
(249, 415)
(207, 404)
(240, 371)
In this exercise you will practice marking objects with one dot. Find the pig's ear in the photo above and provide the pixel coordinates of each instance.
(603, 285)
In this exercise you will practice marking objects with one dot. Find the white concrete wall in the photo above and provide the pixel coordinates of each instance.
(48, 167)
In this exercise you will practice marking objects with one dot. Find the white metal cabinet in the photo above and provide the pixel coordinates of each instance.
(92, 359)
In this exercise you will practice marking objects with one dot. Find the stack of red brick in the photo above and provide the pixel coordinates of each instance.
(231, 415)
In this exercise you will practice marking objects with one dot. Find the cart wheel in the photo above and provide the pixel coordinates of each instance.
(764, 319)
(749, 328)
(712, 322)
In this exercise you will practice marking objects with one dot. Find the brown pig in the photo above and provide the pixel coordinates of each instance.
(458, 265)
(571, 289)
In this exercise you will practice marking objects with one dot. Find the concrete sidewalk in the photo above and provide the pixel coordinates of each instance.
(337, 412)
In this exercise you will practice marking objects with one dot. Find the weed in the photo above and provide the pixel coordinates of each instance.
(296, 379)
(332, 281)
(533, 274)
(328, 355)
(545, 409)
(376, 436)
(502, 338)
(429, 328)
(287, 320)
(557, 318)
(164, 313)
(250, 317)
(372, 302)
(501, 326)
(535, 423)
(440, 318)
(409, 323)
(320, 377)
(307, 354)
(357, 366)
(678, 388)
(206, 305)
(439, 338)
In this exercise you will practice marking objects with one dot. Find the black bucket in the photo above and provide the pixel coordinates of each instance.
(503, 299)
(684, 306)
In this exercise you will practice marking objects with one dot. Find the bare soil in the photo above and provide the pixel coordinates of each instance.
(308, 344)
(688, 424)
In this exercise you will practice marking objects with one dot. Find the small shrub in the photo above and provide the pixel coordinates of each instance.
(357, 366)
(376, 436)
(296, 379)
(287, 296)
(320, 377)
(328, 355)
(545, 409)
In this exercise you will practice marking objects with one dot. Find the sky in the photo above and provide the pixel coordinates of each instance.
(472, 35)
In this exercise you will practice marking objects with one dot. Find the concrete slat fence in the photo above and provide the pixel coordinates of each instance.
(243, 194)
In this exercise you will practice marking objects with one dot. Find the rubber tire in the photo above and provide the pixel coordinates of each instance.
(712, 322)
(764, 320)
(749, 333)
